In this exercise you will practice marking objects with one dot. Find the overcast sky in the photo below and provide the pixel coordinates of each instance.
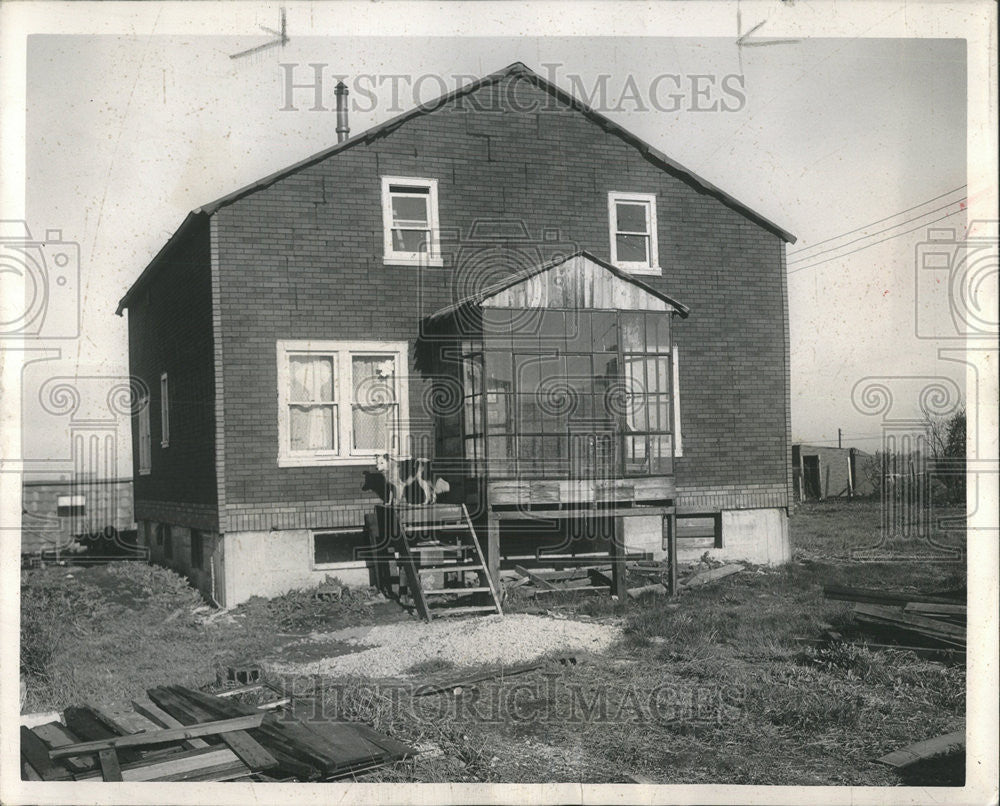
(851, 139)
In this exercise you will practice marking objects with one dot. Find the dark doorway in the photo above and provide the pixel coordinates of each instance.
(810, 477)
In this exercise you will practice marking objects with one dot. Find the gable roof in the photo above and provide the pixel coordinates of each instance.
(480, 297)
(517, 69)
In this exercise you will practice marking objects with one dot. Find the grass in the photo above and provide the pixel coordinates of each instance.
(710, 688)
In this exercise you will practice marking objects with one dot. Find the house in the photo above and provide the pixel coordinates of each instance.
(504, 281)
(822, 471)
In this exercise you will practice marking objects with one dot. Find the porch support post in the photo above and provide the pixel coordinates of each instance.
(670, 525)
(617, 552)
(493, 546)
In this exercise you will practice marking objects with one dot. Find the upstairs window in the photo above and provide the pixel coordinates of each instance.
(632, 219)
(410, 220)
(164, 411)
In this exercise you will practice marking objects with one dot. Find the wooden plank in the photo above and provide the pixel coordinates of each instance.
(670, 522)
(160, 736)
(711, 575)
(922, 751)
(55, 734)
(541, 582)
(232, 692)
(164, 770)
(932, 608)
(159, 716)
(88, 725)
(617, 551)
(846, 594)
(245, 746)
(444, 685)
(35, 753)
(896, 617)
(110, 769)
(281, 740)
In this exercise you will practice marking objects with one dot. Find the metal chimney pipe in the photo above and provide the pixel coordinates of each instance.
(343, 130)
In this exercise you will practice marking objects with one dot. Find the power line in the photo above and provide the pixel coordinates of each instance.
(879, 232)
(874, 243)
(873, 223)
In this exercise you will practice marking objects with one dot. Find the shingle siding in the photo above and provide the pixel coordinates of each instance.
(302, 258)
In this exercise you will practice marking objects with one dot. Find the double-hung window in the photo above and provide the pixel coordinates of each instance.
(410, 221)
(340, 402)
(164, 411)
(145, 441)
(632, 220)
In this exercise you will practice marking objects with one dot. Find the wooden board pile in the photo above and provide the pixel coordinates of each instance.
(582, 579)
(180, 734)
(935, 620)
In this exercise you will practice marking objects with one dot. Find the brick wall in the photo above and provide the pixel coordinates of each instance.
(303, 259)
(170, 330)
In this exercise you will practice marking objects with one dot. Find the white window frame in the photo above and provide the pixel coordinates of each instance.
(145, 438)
(649, 200)
(676, 378)
(164, 411)
(343, 566)
(432, 257)
(342, 352)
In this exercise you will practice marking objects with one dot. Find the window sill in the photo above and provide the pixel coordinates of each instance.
(164, 444)
(434, 262)
(145, 472)
(651, 271)
(351, 565)
(333, 461)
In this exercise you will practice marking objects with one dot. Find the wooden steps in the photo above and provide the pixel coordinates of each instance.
(435, 541)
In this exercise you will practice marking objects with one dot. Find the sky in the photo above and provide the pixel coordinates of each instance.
(856, 145)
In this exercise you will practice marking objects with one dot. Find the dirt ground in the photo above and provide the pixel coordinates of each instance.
(709, 688)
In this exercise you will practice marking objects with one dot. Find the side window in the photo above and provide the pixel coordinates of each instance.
(410, 220)
(164, 411)
(632, 223)
(145, 443)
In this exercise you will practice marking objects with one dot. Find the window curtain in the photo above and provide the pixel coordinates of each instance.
(311, 415)
(374, 406)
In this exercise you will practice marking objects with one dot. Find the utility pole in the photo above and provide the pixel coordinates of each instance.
(838, 439)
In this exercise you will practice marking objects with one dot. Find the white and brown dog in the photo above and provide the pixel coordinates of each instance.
(401, 473)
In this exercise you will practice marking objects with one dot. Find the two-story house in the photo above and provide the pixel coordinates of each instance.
(504, 281)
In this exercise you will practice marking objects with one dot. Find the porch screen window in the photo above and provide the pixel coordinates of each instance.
(633, 232)
(582, 394)
(409, 211)
(339, 402)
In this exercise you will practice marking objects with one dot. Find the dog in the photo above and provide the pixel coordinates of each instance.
(400, 474)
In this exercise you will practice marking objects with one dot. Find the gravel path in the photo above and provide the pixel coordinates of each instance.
(389, 650)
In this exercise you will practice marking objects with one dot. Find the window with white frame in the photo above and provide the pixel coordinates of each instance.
(410, 220)
(145, 441)
(632, 221)
(164, 411)
(340, 402)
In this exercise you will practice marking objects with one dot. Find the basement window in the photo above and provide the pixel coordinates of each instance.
(632, 220)
(410, 221)
(341, 548)
(699, 531)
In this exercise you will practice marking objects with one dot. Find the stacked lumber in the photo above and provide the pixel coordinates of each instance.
(582, 579)
(934, 619)
(180, 734)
